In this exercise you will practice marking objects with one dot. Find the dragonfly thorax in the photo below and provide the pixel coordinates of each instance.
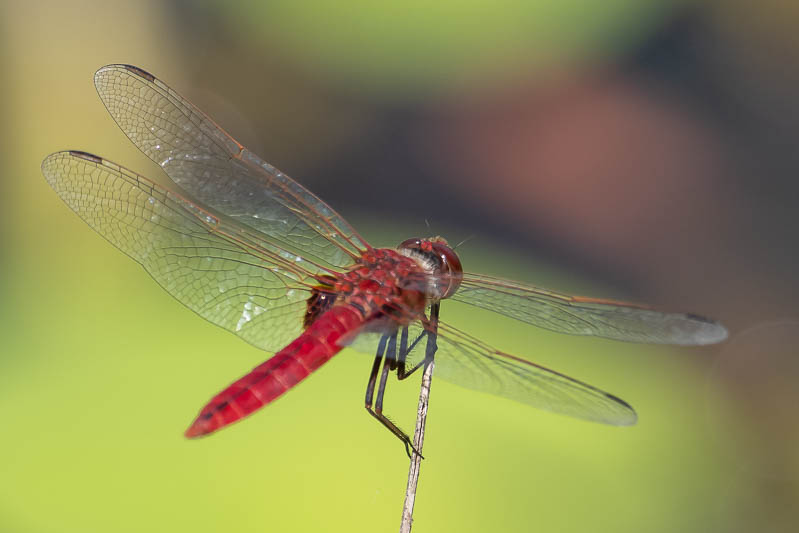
(383, 283)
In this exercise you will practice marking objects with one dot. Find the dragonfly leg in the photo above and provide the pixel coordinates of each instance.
(405, 349)
(370, 387)
(386, 343)
(429, 333)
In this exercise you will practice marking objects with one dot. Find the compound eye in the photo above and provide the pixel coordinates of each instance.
(451, 269)
(411, 244)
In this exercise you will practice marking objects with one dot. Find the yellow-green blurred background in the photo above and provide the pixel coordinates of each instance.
(641, 150)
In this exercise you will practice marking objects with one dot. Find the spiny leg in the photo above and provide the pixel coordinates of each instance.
(405, 349)
(387, 351)
(429, 332)
(394, 359)
(370, 387)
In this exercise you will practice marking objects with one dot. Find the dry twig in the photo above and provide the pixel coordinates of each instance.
(421, 419)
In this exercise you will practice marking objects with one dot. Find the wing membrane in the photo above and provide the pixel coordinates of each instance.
(466, 361)
(216, 170)
(470, 363)
(586, 316)
(199, 258)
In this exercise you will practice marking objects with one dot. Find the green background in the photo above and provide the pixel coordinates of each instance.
(101, 371)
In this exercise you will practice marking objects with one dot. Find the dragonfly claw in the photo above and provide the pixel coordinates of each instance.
(409, 447)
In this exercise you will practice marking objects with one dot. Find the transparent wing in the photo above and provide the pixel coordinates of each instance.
(468, 362)
(586, 316)
(207, 262)
(216, 170)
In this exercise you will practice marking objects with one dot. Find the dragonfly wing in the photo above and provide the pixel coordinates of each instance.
(191, 253)
(586, 316)
(466, 361)
(463, 360)
(216, 170)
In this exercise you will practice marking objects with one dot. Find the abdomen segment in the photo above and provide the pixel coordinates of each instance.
(278, 374)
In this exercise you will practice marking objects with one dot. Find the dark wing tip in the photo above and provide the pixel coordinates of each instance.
(134, 70)
(86, 155)
(50, 173)
(630, 416)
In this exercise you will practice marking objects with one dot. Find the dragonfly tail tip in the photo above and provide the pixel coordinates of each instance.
(198, 428)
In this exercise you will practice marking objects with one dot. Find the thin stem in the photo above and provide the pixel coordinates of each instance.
(421, 419)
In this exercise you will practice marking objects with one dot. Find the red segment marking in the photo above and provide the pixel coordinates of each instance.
(278, 374)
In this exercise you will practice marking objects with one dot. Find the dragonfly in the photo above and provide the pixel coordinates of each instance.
(251, 250)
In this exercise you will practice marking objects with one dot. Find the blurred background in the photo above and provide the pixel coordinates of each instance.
(637, 150)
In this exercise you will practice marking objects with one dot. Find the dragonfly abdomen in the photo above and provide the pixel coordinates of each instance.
(281, 372)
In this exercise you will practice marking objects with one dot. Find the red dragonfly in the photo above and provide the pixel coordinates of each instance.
(253, 251)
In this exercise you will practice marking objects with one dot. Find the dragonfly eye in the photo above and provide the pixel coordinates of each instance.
(451, 271)
(448, 270)
(411, 244)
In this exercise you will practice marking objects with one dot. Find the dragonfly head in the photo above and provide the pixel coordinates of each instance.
(441, 263)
